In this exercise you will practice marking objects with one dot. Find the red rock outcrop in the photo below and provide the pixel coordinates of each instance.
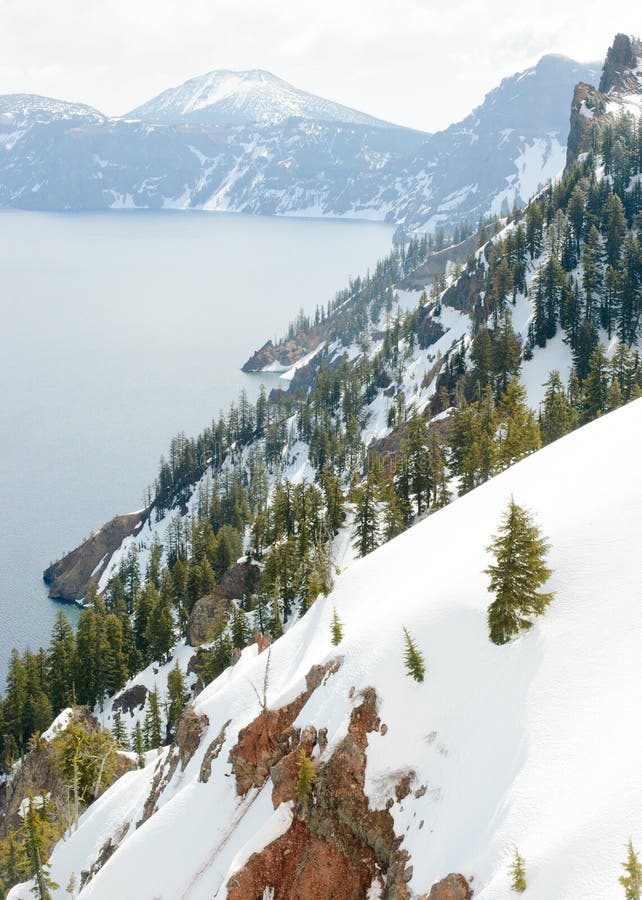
(336, 846)
(452, 887)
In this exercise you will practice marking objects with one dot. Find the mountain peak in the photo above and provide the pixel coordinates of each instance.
(623, 59)
(230, 97)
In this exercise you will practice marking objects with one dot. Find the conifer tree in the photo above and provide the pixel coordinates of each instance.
(631, 881)
(119, 731)
(517, 574)
(306, 777)
(152, 728)
(413, 658)
(518, 872)
(366, 519)
(177, 697)
(138, 745)
(336, 627)
(35, 840)
(558, 416)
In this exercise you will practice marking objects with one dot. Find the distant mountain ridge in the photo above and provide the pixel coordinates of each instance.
(249, 142)
(225, 97)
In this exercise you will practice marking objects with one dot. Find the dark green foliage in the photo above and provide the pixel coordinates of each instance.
(177, 697)
(413, 658)
(516, 575)
(153, 726)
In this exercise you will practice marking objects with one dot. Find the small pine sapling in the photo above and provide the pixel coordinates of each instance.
(413, 658)
(336, 627)
(631, 881)
(518, 872)
(306, 777)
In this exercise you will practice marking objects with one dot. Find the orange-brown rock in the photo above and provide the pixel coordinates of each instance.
(336, 847)
(452, 887)
(262, 743)
(285, 773)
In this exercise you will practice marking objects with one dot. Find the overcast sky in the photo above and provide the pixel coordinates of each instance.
(424, 63)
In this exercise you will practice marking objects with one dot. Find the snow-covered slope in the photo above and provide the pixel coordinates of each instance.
(223, 97)
(534, 744)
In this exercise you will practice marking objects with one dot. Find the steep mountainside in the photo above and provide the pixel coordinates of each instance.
(223, 97)
(399, 439)
(304, 156)
(531, 744)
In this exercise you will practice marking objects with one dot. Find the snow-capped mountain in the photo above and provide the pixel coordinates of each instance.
(224, 97)
(33, 107)
(299, 165)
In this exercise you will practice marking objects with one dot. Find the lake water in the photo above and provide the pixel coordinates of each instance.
(119, 330)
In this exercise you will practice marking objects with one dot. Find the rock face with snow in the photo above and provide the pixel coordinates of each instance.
(620, 90)
(249, 142)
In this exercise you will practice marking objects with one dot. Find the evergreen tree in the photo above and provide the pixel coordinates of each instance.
(153, 727)
(305, 778)
(61, 662)
(558, 416)
(336, 627)
(241, 633)
(631, 881)
(518, 872)
(519, 432)
(366, 519)
(413, 658)
(119, 731)
(519, 570)
(177, 697)
(138, 745)
(36, 839)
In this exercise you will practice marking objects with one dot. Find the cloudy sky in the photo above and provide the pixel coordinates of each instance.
(424, 63)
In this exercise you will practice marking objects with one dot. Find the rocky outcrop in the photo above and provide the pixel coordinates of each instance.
(212, 753)
(189, 733)
(284, 354)
(621, 59)
(70, 578)
(266, 740)
(336, 845)
(452, 887)
(210, 611)
(131, 699)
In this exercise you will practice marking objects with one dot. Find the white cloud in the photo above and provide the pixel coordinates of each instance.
(424, 63)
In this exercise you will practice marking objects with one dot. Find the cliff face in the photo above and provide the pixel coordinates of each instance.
(622, 58)
(70, 578)
(621, 77)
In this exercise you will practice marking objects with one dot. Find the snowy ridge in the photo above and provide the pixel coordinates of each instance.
(224, 97)
(533, 743)
(249, 142)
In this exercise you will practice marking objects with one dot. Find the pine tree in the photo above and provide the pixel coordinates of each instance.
(519, 432)
(177, 697)
(138, 745)
(153, 727)
(631, 881)
(517, 871)
(119, 731)
(35, 841)
(306, 777)
(558, 416)
(413, 658)
(366, 519)
(336, 627)
(519, 570)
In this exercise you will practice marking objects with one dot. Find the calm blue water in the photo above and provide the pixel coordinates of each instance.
(117, 331)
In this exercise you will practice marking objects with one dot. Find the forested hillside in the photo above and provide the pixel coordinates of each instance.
(406, 404)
